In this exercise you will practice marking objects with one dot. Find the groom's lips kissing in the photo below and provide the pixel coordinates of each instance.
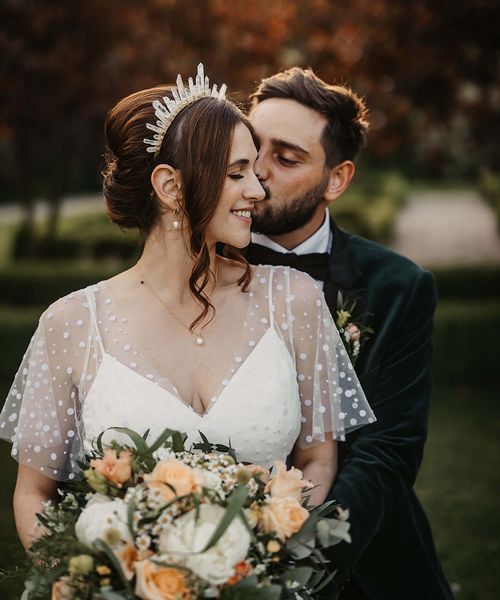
(243, 214)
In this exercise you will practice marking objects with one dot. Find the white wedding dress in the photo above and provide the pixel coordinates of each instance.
(88, 368)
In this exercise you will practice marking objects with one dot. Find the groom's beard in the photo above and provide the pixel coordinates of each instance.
(291, 215)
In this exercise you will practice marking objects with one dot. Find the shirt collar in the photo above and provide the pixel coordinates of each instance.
(320, 241)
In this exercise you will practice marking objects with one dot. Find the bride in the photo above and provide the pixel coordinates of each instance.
(185, 338)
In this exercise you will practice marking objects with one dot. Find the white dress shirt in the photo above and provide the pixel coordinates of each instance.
(320, 241)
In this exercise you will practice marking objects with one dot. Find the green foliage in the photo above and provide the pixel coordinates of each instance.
(371, 204)
(41, 283)
(468, 283)
(459, 482)
(247, 589)
(86, 237)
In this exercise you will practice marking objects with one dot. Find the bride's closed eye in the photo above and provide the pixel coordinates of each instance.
(235, 176)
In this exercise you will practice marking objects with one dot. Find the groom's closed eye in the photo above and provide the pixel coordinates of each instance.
(288, 154)
(286, 161)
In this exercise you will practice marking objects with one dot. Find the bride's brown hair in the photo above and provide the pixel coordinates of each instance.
(198, 143)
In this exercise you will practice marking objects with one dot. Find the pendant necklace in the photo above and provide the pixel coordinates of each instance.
(198, 340)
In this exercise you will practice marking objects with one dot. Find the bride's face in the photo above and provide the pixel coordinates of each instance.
(242, 190)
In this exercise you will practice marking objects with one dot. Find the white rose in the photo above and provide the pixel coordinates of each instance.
(209, 479)
(187, 537)
(97, 498)
(163, 454)
(103, 521)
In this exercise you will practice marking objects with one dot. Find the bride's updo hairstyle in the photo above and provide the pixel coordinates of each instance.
(198, 144)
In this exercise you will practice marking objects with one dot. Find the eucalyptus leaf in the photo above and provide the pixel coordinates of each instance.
(300, 574)
(178, 441)
(300, 550)
(324, 509)
(247, 589)
(160, 441)
(99, 442)
(206, 446)
(139, 443)
(247, 525)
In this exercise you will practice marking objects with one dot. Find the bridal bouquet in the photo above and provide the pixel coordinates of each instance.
(160, 522)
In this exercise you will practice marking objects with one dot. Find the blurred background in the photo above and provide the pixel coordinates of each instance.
(428, 185)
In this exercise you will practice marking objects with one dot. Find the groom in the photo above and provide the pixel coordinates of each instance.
(310, 133)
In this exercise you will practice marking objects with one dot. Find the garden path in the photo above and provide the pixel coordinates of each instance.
(447, 228)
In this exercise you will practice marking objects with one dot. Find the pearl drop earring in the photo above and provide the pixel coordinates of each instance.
(176, 224)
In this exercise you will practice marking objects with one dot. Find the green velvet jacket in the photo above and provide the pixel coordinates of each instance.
(392, 554)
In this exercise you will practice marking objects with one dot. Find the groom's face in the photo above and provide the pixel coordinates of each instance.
(290, 166)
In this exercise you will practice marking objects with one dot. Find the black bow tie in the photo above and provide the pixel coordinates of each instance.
(315, 264)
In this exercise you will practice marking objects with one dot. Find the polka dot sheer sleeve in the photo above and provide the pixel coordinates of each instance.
(332, 399)
(40, 415)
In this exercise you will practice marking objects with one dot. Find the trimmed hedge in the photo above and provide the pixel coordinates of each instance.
(16, 329)
(40, 283)
(465, 341)
(85, 237)
(468, 282)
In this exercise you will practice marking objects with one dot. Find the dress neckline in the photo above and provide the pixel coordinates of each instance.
(178, 399)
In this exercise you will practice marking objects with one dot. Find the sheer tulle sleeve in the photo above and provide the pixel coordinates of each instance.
(40, 415)
(332, 399)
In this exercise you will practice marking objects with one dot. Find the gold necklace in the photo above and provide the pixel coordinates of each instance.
(199, 341)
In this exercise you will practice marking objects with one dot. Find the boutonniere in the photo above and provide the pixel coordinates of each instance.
(353, 332)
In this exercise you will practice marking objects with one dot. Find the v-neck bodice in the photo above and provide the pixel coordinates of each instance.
(258, 411)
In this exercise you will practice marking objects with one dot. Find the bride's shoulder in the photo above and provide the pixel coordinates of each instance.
(287, 279)
(69, 310)
(288, 286)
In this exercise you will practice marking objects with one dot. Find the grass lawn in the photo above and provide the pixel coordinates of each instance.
(458, 485)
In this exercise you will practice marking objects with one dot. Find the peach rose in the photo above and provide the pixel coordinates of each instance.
(354, 332)
(127, 556)
(116, 469)
(258, 469)
(174, 473)
(286, 484)
(61, 590)
(241, 570)
(284, 516)
(160, 583)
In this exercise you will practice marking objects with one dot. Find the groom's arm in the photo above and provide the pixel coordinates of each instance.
(385, 456)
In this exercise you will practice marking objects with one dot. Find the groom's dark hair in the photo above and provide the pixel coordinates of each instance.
(345, 111)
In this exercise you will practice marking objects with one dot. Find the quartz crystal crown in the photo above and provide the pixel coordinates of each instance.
(167, 108)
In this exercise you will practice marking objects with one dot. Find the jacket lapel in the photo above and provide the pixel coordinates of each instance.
(343, 269)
